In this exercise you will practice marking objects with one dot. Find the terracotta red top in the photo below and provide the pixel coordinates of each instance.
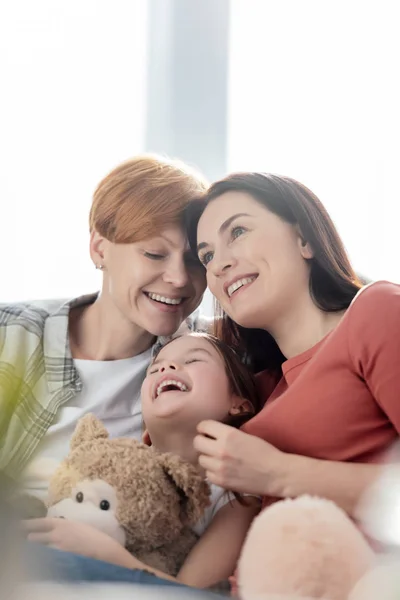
(340, 400)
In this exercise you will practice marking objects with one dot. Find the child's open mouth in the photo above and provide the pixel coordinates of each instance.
(170, 385)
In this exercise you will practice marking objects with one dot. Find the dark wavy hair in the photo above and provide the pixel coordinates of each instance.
(333, 282)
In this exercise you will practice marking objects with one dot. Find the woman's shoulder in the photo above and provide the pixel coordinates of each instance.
(378, 291)
(378, 299)
(374, 316)
(18, 308)
(20, 313)
(31, 315)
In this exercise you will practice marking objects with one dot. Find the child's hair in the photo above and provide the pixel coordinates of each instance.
(241, 381)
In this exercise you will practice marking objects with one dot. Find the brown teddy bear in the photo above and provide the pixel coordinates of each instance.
(146, 500)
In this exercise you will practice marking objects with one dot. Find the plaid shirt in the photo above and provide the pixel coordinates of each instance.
(37, 374)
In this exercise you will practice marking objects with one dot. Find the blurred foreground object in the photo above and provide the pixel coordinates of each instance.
(108, 591)
(302, 548)
(10, 567)
(309, 548)
(379, 509)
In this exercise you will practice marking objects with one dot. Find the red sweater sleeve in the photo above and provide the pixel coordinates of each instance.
(374, 344)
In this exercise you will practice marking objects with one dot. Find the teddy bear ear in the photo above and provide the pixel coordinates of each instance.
(190, 482)
(88, 428)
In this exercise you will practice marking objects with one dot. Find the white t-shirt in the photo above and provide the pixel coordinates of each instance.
(219, 498)
(111, 391)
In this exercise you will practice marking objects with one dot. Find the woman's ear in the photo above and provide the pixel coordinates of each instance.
(304, 247)
(97, 249)
(146, 438)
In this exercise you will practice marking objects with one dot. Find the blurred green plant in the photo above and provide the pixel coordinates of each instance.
(12, 391)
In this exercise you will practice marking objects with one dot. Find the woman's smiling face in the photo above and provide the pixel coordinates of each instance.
(155, 283)
(255, 261)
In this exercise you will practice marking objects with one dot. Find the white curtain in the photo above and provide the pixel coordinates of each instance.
(72, 107)
(314, 94)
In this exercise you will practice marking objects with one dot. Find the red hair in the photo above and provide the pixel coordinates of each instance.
(142, 196)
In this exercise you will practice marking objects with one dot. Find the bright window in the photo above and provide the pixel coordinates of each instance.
(314, 94)
(72, 108)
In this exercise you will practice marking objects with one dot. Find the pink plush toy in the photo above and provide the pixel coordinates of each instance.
(306, 548)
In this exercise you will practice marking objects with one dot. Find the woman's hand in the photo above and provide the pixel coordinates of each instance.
(77, 538)
(244, 463)
(238, 461)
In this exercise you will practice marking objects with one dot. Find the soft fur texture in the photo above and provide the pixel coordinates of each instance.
(381, 583)
(303, 548)
(309, 549)
(154, 498)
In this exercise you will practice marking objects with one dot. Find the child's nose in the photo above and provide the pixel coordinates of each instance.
(168, 367)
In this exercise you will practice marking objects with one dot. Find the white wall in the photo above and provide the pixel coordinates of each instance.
(314, 94)
(72, 107)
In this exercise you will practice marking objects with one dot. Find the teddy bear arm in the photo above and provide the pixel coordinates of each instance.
(176, 552)
(157, 559)
(170, 557)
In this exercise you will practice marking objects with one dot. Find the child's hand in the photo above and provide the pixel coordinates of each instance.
(238, 461)
(74, 537)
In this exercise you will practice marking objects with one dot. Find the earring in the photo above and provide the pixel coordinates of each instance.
(100, 267)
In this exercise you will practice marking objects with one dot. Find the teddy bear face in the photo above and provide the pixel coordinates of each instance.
(146, 500)
(121, 487)
(95, 503)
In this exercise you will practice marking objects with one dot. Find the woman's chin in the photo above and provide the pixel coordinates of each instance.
(164, 329)
(246, 319)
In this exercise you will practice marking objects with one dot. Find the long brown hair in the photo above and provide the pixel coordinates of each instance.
(333, 282)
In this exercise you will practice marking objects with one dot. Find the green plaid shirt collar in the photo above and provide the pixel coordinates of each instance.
(37, 373)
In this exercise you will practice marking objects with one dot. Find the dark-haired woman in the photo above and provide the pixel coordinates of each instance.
(327, 347)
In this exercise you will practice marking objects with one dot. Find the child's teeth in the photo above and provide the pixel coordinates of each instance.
(168, 382)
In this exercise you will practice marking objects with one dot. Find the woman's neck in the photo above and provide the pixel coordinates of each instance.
(100, 332)
(303, 327)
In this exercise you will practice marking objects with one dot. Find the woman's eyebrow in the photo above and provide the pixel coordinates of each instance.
(223, 228)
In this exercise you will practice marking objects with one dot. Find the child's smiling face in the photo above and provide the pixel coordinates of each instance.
(186, 384)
